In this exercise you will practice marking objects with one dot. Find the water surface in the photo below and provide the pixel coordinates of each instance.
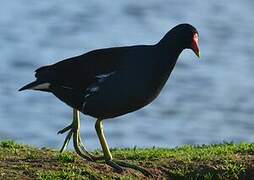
(206, 101)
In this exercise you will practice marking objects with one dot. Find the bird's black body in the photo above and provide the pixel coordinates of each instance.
(110, 82)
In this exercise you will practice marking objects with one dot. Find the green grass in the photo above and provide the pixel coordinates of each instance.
(219, 161)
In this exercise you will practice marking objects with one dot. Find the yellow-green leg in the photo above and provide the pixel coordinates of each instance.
(108, 157)
(74, 130)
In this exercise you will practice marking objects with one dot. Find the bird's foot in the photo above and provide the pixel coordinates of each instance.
(78, 145)
(81, 150)
(68, 137)
(120, 165)
(66, 141)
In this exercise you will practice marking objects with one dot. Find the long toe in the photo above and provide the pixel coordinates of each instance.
(114, 165)
(135, 167)
(79, 147)
(65, 129)
(120, 165)
(66, 141)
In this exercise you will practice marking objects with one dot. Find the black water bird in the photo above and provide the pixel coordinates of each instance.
(107, 83)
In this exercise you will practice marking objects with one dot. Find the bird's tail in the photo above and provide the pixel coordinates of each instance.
(36, 85)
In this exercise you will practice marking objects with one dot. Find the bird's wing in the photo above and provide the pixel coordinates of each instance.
(81, 71)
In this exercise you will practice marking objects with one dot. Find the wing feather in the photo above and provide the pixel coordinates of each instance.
(79, 72)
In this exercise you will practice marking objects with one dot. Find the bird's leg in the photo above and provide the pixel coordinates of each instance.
(71, 129)
(117, 165)
(74, 130)
(107, 155)
(77, 142)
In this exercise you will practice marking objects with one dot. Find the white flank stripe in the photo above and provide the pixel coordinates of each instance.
(94, 89)
(105, 75)
(41, 86)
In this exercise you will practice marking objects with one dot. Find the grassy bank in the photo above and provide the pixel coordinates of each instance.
(223, 161)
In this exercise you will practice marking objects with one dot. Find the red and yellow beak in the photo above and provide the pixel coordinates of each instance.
(194, 45)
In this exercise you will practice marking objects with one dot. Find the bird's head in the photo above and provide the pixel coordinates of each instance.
(183, 36)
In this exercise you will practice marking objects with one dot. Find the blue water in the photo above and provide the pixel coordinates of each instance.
(205, 101)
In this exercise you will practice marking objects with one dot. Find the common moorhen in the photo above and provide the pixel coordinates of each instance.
(107, 83)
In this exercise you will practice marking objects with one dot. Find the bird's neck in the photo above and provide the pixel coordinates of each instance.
(170, 51)
(171, 44)
(168, 54)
